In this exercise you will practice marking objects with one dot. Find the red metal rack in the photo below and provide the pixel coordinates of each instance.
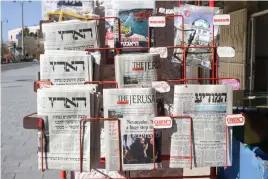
(214, 80)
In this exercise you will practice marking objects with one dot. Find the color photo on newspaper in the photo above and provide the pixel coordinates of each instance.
(138, 149)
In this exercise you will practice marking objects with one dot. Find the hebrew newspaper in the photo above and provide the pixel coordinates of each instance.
(64, 107)
(208, 106)
(71, 35)
(68, 69)
(137, 70)
(136, 109)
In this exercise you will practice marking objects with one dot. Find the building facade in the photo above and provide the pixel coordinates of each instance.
(14, 34)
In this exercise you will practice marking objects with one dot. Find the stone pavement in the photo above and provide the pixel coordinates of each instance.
(19, 146)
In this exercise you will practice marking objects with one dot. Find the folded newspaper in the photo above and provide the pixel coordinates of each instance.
(208, 106)
(71, 35)
(198, 31)
(137, 70)
(70, 66)
(68, 69)
(140, 147)
(64, 106)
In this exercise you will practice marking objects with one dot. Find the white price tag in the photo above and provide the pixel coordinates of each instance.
(157, 21)
(162, 122)
(227, 52)
(162, 51)
(161, 86)
(235, 120)
(223, 19)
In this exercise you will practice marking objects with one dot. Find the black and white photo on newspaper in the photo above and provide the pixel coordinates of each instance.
(208, 106)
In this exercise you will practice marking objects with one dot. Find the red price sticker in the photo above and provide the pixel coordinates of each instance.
(162, 122)
(235, 120)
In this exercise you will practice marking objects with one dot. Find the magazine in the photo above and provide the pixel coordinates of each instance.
(208, 106)
(136, 109)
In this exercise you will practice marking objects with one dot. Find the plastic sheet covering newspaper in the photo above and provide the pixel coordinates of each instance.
(64, 106)
(71, 35)
(198, 31)
(137, 70)
(136, 109)
(208, 106)
(93, 57)
(66, 69)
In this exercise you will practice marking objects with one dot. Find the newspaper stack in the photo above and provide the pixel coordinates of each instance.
(69, 67)
(137, 70)
(208, 106)
(71, 35)
(198, 31)
(64, 106)
(136, 109)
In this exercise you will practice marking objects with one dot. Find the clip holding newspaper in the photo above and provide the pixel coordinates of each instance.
(64, 106)
(137, 70)
(208, 106)
(140, 144)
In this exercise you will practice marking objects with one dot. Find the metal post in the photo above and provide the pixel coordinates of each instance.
(2, 47)
(252, 55)
(22, 34)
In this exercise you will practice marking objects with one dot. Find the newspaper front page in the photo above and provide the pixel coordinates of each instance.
(71, 35)
(208, 106)
(64, 106)
(67, 69)
(137, 70)
(136, 109)
(95, 58)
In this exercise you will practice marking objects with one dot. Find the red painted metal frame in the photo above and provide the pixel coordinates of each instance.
(40, 127)
(191, 138)
(80, 138)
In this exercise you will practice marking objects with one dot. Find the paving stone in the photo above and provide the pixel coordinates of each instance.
(8, 175)
(18, 169)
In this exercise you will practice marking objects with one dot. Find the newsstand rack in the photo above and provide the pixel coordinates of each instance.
(31, 122)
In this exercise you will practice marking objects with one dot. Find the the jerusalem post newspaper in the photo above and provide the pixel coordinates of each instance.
(64, 106)
(136, 109)
(71, 35)
(137, 70)
(208, 106)
(67, 69)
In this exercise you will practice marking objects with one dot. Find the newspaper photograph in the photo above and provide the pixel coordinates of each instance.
(74, 35)
(68, 69)
(208, 106)
(137, 70)
(198, 31)
(136, 109)
(64, 107)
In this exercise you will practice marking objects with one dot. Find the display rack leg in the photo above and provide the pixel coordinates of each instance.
(62, 174)
(213, 173)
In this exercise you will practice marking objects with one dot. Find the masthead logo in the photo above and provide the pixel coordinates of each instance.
(67, 102)
(81, 33)
(67, 66)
